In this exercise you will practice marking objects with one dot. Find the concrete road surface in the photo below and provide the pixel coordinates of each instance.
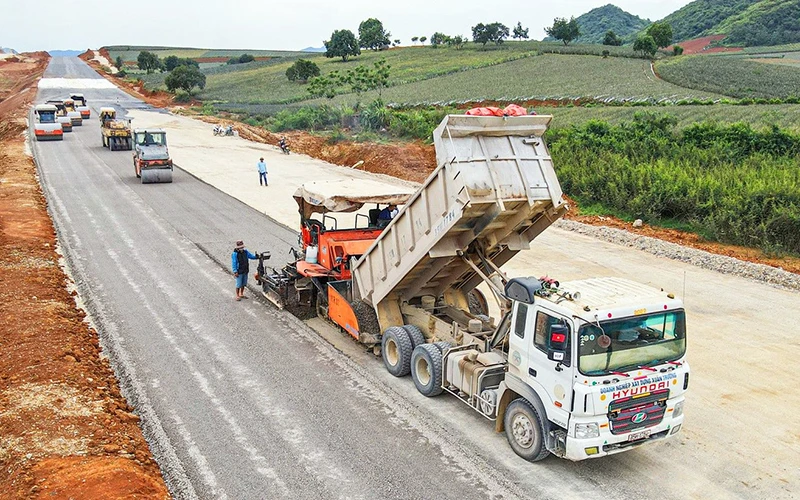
(243, 401)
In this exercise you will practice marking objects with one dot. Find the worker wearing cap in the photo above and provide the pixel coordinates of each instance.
(262, 172)
(241, 267)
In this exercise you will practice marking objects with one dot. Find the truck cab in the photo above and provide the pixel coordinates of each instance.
(603, 360)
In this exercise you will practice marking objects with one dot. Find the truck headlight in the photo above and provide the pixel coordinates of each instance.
(678, 409)
(586, 431)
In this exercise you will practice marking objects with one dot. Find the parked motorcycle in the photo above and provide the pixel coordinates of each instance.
(224, 131)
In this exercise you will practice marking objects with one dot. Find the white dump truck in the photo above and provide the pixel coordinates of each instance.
(47, 127)
(580, 369)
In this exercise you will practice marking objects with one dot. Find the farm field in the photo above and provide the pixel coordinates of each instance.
(544, 76)
(732, 75)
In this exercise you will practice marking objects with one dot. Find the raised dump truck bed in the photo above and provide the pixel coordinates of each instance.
(494, 191)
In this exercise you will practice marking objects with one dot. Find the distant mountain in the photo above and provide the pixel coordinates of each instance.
(595, 23)
(6, 50)
(65, 53)
(313, 49)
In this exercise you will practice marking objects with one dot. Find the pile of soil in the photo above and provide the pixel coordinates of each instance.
(65, 429)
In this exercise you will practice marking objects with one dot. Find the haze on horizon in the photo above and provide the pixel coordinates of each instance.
(242, 24)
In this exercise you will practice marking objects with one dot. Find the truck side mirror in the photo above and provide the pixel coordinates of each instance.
(559, 337)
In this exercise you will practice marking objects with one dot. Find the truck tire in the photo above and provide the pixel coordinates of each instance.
(426, 369)
(443, 346)
(525, 431)
(396, 349)
(417, 338)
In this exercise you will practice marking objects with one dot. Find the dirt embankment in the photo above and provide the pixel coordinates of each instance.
(65, 430)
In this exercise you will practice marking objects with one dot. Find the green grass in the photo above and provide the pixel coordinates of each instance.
(732, 76)
(790, 47)
(131, 53)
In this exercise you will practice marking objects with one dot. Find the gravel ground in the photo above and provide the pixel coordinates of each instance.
(713, 262)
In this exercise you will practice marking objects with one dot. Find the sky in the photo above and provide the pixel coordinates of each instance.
(266, 24)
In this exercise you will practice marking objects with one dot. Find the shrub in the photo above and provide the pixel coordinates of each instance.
(302, 70)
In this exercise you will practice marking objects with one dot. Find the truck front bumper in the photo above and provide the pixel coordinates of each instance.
(609, 444)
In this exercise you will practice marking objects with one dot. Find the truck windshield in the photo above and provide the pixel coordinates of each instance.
(628, 343)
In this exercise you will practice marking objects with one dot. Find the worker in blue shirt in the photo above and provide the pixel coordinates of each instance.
(262, 173)
(241, 267)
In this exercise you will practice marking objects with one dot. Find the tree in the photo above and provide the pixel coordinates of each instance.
(438, 39)
(457, 41)
(396, 42)
(612, 39)
(148, 61)
(371, 35)
(172, 62)
(646, 45)
(246, 58)
(325, 86)
(342, 44)
(661, 33)
(302, 70)
(120, 63)
(564, 30)
(422, 39)
(414, 39)
(677, 50)
(485, 33)
(186, 78)
(520, 33)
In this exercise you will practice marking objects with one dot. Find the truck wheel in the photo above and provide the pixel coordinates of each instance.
(477, 303)
(443, 346)
(426, 369)
(525, 431)
(396, 351)
(417, 338)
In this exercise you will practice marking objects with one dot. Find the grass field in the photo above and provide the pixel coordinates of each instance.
(735, 76)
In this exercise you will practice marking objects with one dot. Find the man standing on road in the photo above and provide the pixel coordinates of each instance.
(241, 267)
(262, 173)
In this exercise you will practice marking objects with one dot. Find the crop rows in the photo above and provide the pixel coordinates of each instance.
(732, 76)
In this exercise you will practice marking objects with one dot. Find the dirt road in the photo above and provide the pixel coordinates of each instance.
(738, 440)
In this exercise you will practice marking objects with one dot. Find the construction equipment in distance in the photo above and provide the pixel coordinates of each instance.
(151, 161)
(46, 126)
(116, 133)
(74, 114)
(61, 114)
(80, 105)
(581, 369)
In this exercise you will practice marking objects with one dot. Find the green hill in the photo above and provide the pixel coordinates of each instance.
(746, 22)
(595, 23)
(701, 17)
(768, 22)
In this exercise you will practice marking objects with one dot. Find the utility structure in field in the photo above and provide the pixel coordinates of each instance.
(579, 369)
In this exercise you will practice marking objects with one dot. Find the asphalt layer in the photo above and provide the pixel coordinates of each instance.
(238, 399)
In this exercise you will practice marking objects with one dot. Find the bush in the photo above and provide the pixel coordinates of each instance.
(306, 118)
(246, 58)
(302, 70)
(376, 116)
(735, 184)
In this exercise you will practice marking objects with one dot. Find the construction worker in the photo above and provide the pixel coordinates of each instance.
(241, 267)
(262, 172)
